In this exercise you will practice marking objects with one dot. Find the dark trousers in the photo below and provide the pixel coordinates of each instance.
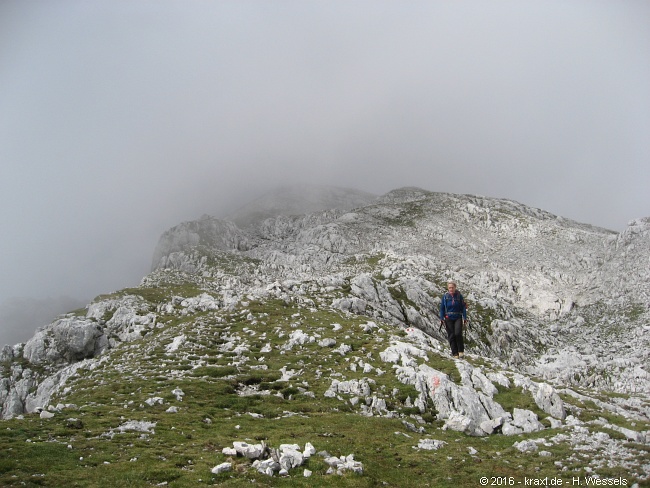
(455, 335)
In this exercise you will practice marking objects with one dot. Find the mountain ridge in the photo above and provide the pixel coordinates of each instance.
(484, 242)
(336, 310)
(298, 200)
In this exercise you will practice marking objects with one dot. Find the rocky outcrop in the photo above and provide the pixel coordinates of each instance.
(271, 461)
(42, 365)
(64, 341)
(541, 288)
(541, 291)
(208, 232)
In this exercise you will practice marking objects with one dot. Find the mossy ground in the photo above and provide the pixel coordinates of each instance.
(82, 447)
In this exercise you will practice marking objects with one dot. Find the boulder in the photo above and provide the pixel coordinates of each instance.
(510, 429)
(250, 451)
(489, 426)
(344, 463)
(459, 422)
(267, 466)
(65, 340)
(309, 450)
(526, 420)
(327, 342)
(290, 458)
(351, 387)
(222, 468)
(549, 401)
(430, 444)
(353, 304)
(525, 446)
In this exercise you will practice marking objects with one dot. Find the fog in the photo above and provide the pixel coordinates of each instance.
(120, 119)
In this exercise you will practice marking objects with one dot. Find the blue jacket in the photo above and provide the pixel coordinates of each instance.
(453, 306)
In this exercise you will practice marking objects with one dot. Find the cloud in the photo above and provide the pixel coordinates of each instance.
(118, 121)
(20, 317)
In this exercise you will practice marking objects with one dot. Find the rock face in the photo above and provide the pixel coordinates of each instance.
(208, 232)
(548, 296)
(541, 288)
(66, 340)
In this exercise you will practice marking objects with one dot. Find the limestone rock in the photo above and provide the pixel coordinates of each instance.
(65, 340)
(430, 444)
(291, 457)
(548, 400)
(328, 342)
(525, 446)
(526, 420)
(352, 387)
(250, 451)
(222, 468)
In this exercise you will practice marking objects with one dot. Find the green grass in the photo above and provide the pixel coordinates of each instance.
(516, 397)
(156, 294)
(635, 312)
(184, 449)
(186, 445)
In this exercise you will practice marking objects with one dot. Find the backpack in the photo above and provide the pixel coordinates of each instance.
(462, 302)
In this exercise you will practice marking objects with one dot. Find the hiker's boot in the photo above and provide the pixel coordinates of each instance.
(461, 354)
(455, 356)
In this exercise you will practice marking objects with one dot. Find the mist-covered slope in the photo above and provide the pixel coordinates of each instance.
(322, 328)
(560, 297)
(299, 200)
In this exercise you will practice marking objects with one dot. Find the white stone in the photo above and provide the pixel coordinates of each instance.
(154, 401)
(137, 426)
(175, 345)
(250, 451)
(510, 429)
(526, 420)
(431, 444)
(458, 422)
(309, 450)
(525, 446)
(291, 458)
(222, 468)
(549, 401)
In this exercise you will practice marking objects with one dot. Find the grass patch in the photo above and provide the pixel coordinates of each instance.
(184, 446)
(215, 371)
(516, 397)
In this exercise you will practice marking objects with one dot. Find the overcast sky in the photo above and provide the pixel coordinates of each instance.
(120, 119)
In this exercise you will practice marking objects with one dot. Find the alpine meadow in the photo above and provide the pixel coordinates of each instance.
(298, 343)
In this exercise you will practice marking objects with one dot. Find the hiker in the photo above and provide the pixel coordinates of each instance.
(453, 313)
